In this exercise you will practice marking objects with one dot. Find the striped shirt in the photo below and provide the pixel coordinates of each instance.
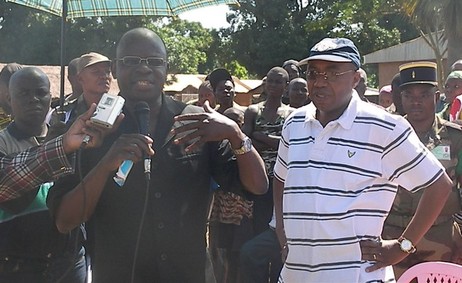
(339, 185)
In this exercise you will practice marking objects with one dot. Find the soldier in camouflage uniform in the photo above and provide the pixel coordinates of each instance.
(444, 139)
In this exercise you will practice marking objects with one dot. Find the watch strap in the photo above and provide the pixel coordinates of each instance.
(412, 249)
(245, 147)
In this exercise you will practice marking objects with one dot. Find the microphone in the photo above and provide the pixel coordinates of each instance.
(142, 117)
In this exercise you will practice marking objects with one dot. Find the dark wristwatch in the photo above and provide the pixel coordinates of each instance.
(246, 146)
(406, 245)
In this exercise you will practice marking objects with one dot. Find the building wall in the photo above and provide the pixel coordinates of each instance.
(387, 71)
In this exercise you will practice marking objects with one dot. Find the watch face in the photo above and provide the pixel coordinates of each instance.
(247, 144)
(406, 245)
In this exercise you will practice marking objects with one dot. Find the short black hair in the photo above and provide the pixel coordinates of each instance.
(8, 71)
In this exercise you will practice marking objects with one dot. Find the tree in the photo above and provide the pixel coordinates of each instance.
(433, 16)
(33, 37)
(265, 33)
(187, 43)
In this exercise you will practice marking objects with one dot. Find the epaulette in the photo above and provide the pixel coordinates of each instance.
(453, 125)
(68, 105)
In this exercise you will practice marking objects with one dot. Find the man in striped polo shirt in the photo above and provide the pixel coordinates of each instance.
(338, 169)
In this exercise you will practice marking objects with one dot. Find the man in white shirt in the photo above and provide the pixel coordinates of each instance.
(338, 168)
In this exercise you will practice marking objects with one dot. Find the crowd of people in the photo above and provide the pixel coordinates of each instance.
(310, 183)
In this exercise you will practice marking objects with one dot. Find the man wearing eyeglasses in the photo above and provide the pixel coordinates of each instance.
(154, 231)
(338, 169)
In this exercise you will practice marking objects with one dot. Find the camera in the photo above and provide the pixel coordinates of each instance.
(108, 109)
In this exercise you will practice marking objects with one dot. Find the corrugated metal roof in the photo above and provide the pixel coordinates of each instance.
(252, 83)
(413, 50)
(179, 82)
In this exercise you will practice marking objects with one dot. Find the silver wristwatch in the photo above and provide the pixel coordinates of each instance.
(406, 245)
(246, 146)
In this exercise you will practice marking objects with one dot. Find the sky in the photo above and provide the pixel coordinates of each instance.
(209, 17)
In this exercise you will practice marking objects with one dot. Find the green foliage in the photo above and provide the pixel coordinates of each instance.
(33, 37)
(187, 44)
(27, 35)
(444, 15)
(265, 33)
(237, 69)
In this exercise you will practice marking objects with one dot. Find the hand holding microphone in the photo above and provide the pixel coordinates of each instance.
(135, 147)
(142, 117)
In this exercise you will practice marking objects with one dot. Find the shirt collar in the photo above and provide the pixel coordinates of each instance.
(16, 133)
(345, 120)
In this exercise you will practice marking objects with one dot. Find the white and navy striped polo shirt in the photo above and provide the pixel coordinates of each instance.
(339, 185)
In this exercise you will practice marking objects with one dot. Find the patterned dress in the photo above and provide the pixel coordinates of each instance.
(274, 129)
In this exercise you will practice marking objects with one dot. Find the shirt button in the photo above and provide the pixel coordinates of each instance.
(163, 257)
(161, 225)
(158, 195)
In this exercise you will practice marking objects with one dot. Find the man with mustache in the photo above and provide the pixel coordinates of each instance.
(338, 169)
(419, 95)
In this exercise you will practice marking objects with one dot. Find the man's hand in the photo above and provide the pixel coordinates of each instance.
(83, 127)
(127, 147)
(56, 130)
(208, 126)
(382, 252)
(456, 256)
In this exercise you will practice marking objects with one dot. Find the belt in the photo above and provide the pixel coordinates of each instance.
(403, 220)
(13, 264)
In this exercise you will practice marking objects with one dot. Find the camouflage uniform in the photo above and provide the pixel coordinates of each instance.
(5, 119)
(71, 110)
(444, 140)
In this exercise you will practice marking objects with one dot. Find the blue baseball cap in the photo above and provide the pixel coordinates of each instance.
(335, 50)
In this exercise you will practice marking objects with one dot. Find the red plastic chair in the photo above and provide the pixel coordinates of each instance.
(434, 271)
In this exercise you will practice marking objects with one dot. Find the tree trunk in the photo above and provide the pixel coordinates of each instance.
(454, 49)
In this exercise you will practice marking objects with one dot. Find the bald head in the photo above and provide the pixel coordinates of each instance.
(140, 67)
(298, 93)
(362, 84)
(72, 67)
(279, 70)
(5, 76)
(137, 35)
(28, 74)
(30, 99)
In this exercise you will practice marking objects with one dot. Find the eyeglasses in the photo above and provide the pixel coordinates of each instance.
(135, 61)
(327, 76)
